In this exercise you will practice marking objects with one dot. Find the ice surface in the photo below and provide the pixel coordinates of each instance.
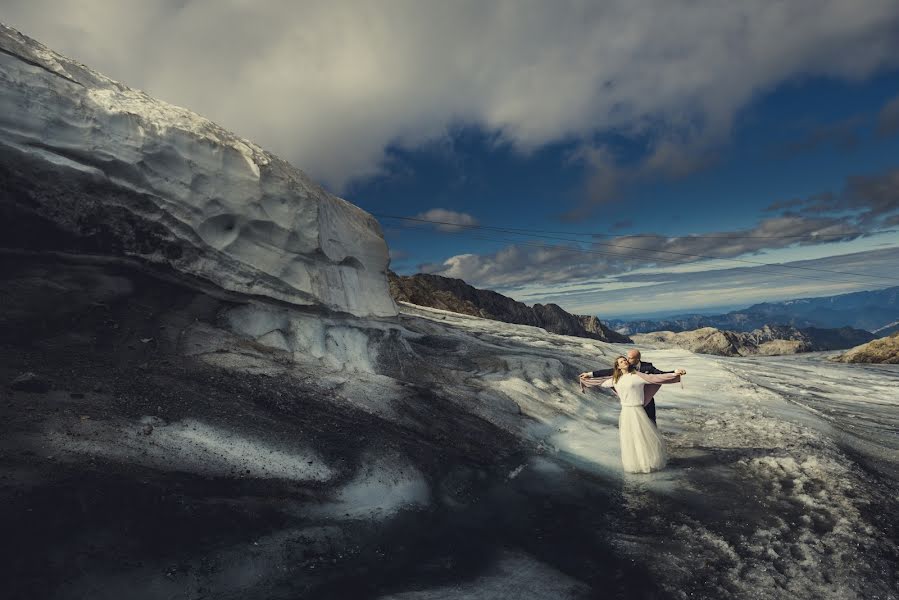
(772, 455)
(176, 188)
(781, 481)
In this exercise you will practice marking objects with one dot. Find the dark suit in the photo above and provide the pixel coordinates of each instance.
(645, 367)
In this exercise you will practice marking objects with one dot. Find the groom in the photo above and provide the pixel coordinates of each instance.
(633, 357)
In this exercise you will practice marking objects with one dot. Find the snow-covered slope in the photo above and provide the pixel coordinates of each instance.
(119, 172)
(887, 329)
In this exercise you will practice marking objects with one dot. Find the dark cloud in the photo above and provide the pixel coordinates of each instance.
(876, 196)
(769, 234)
(608, 179)
(619, 225)
(782, 205)
(843, 135)
(866, 200)
(888, 119)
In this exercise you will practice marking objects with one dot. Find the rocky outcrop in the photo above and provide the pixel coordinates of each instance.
(884, 350)
(89, 165)
(768, 340)
(593, 325)
(457, 296)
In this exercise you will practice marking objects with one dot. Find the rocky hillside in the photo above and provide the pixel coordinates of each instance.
(768, 340)
(457, 296)
(884, 350)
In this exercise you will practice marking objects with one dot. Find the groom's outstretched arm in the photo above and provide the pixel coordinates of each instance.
(651, 370)
(603, 373)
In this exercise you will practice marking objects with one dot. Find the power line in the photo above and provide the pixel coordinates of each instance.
(638, 249)
(680, 262)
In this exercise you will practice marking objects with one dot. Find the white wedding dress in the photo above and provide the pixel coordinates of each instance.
(642, 447)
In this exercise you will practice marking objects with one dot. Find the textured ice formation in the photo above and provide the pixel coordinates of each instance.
(109, 169)
(339, 344)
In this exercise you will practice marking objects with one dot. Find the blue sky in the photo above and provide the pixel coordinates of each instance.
(469, 172)
(798, 140)
(735, 123)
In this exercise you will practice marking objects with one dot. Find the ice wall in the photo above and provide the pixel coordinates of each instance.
(121, 173)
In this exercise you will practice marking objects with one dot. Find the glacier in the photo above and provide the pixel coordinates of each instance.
(782, 478)
(137, 177)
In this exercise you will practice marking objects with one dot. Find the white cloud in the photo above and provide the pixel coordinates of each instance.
(691, 291)
(586, 283)
(530, 263)
(447, 220)
(328, 85)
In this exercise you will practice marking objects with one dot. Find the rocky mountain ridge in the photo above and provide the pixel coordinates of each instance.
(457, 296)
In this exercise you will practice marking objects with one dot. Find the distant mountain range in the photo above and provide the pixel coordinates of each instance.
(768, 340)
(457, 296)
(876, 311)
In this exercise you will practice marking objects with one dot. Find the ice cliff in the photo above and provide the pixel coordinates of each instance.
(102, 168)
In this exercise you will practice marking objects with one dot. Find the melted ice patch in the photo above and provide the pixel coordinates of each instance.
(380, 489)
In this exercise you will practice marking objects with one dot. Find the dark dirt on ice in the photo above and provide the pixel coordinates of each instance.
(108, 342)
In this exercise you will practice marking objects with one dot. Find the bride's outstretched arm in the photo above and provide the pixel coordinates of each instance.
(586, 382)
(663, 378)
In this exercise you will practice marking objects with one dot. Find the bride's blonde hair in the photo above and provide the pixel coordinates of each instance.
(616, 372)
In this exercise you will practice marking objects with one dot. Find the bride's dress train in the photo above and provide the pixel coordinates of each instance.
(642, 447)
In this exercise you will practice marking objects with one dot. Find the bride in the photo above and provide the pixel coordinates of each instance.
(642, 448)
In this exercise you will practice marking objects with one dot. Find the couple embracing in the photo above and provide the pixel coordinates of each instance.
(636, 383)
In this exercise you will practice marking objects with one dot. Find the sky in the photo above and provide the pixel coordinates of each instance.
(617, 158)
